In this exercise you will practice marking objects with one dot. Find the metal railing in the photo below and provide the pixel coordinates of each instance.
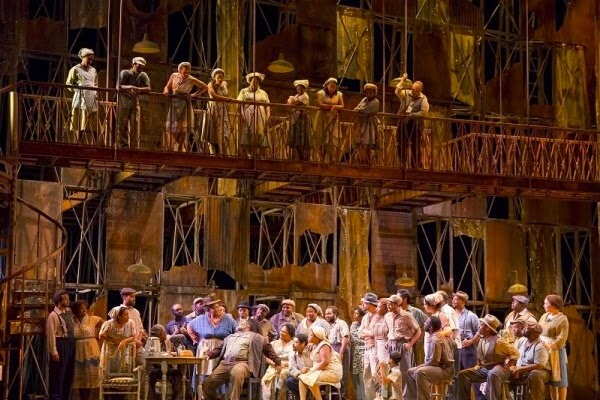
(235, 129)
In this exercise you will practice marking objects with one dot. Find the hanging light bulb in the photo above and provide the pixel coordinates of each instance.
(139, 268)
(404, 280)
(281, 66)
(407, 83)
(146, 46)
(517, 287)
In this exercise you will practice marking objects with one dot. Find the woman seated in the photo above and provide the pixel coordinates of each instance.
(283, 347)
(327, 366)
(117, 333)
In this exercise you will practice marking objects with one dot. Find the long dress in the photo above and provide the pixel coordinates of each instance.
(300, 125)
(84, 111)
(87, 353)
(333, 373)
(357, 356)
(110, 329)
(180, 119)
(216, 127)
(283, 350)
(254, 118)
(555, 332)
(211, 337)
(327, 129)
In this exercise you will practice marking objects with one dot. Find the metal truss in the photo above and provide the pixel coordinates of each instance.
(274, 248)
(84, 218)
(185, 216)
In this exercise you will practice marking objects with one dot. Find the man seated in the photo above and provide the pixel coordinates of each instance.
(494, 358)
(241, 356)
(438, 368)
(298, 359)
(174, 375)
(532, 367)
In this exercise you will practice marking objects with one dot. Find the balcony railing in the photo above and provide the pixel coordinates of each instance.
(44, 113)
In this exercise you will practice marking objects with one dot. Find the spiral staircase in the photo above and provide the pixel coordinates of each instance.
(25, 290)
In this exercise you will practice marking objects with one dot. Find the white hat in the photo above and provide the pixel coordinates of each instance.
(216, 71)
(139, 60)
(85, 52)
(261, 77)
(330, 80)
(301, 82)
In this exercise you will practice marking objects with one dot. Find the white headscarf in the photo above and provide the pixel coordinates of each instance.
(319, 332)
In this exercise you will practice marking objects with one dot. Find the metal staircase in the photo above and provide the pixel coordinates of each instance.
(26, 295)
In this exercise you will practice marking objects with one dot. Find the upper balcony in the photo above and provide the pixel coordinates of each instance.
(431, 155)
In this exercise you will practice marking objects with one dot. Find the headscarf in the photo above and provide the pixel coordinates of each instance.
(184, 64)
(319, 332)
(261, 77)
(317, 308)
(301, 82)
(216, 71)
(370, 86)
(329, 81)
(84, 52)
(114, 313)
(139, 60)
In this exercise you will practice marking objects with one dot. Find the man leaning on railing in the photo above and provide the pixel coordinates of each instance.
(131, 82)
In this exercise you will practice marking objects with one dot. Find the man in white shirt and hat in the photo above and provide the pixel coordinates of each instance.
(132, 82)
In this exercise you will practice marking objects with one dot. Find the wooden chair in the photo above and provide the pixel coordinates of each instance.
(118, 373)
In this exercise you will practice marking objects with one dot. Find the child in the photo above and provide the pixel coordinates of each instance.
(394, 377)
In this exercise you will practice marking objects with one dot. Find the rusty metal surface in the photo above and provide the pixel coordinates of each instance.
(35, 237)
(134, 228)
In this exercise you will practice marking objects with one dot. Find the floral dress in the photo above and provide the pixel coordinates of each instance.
(87, 353)
(283, 350)
(358, 349)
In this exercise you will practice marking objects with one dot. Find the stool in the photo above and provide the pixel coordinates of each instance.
(253, 388)
(328, 390)
(439, 390)
(519, 390)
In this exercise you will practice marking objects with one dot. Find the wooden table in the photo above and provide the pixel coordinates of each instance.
(164, 362)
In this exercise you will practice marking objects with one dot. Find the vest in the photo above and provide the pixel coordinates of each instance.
(490, 358)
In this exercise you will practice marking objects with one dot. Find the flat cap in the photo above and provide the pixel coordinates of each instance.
(521, 299)
(126, 291)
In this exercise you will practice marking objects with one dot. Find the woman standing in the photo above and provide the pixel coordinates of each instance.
(254, 118)
(365, 135)
(357, 355)
(180, 119)
(300, 127)
(283, 347)
(328, 140)
(209, 330)
(326, 368)
(87, 351)
(555, 332)
(216, 125)
(84, 113)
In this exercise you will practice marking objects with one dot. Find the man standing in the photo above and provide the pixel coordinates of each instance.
(198, 308)
(298, 359)
(243, 310)
(131, 83)
(532, 367)
(264, 325)
(339, 338)
(519, 311)
(413, 103)
(492, 353)
(241, 356)
(60, 338)
(420, 317)
(403, 333)
(178, 326)
(286, 315)
(468, 326)
(438, 368)
(366, 333)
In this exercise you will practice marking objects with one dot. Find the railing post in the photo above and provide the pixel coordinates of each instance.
(12, 145)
